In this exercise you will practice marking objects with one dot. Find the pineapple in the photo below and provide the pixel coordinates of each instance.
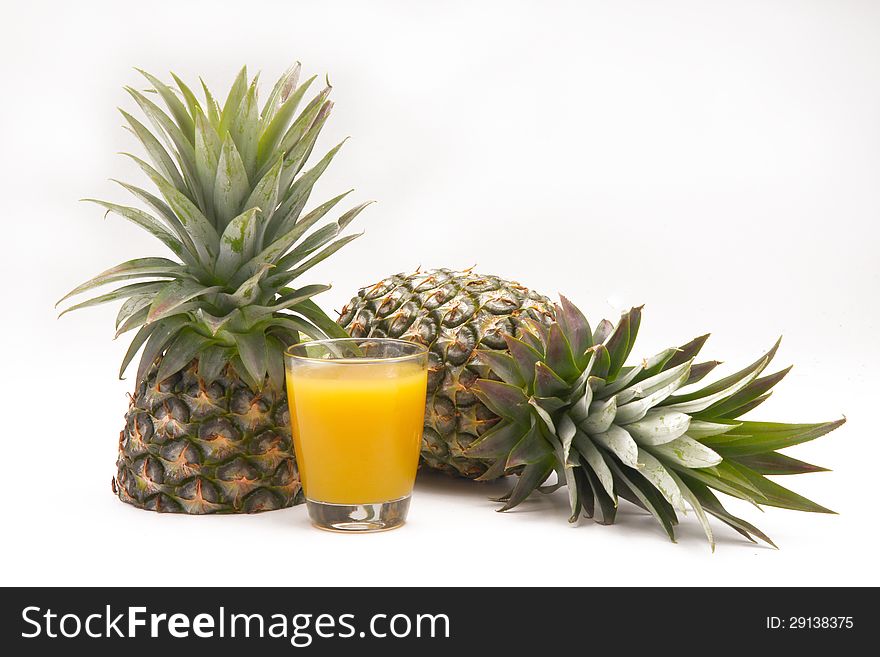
(528, 388)
(207, 429)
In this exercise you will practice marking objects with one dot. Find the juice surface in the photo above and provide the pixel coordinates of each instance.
(357, 428)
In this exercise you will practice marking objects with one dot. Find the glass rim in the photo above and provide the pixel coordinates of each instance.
(420, 350)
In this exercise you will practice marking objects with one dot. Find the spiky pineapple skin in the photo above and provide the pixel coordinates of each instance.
(453, 313)
(198, 447)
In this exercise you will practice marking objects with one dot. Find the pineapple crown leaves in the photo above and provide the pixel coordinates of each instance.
(568, 404)
(233, 181)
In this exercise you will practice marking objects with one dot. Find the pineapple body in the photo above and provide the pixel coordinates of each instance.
(453, 313)
(193, 446)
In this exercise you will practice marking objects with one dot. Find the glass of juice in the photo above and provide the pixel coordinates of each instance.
(357, 408)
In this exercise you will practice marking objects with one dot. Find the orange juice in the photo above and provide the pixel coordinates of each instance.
(357, 428)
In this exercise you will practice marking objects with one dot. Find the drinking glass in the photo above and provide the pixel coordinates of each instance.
(357, 409)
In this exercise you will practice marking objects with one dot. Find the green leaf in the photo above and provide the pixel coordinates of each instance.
(558, 354)
(134, 318)
(580, 409)
(315, 241)
(601, 416)
(293, 143)
(778, 496)
(694, 502)
(618, 441)
(237, 243)
(279, 246)
(566, 431)
(302, 188)
(619, 343)
(178, 143)
(245, 130)
(730, 382)
(137, 268)
(207, 158)
(751, 438)
(745, 408)
(547, 383)
(280, 92)
(241, 370)
(626, 376)
(687, 452)
(748, 394)
(604, 507)
(192, 102)
(179, 353)
(149, 223)
(545, 418)
(311, 311)
(774, 463)
(137, 342)
(288, 223)
(265, 197)
(161, 335)
(165, 213)
(531, 448)
(597, 463)
(728, 486)
(692, 405)
(632, 486)
(654, 471)
(525, 356)
(658, 427)
(502, 365)
(700, 429)
(636, 410)
(131, 306)
(196, 224)
(687, 352)
(700, 370)
(277, 126)
(233, 101)
(602, 331)
(656, 364)
(257, 313)
(503, 399)
(602, 362)
(231, 186)
(212, 360)
(178, 111)
(678, 375)
(292, 325)
(275, 370)
(532, 476)
(576, 329)
(284, 278)
(528, 333)
(711, 504)
(212, 107)
(253, 350)
(123, 292)
(157, 153)
(175, 294)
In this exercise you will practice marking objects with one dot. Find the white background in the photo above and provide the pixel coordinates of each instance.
(717, 161)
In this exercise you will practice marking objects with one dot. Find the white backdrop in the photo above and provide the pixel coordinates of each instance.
(717, 161)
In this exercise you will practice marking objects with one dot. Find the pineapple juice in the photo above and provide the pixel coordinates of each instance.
(357, 428)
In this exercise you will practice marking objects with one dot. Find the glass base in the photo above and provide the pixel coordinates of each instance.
(358, 517)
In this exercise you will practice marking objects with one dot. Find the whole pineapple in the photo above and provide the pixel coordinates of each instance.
(532, 390)
(207, 429)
